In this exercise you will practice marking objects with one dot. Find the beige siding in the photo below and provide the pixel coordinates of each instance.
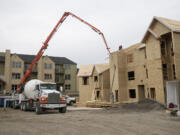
(8, 70)
(15, 58)
(51, 71)
(154, 65)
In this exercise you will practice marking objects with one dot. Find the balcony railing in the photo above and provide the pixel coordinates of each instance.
(59, 70)
(59, 80)
(34, 69)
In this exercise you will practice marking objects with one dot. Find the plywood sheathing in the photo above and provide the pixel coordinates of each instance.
(88, 92)
(160, 26)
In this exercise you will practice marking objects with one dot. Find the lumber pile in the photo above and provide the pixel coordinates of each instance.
(99, 104)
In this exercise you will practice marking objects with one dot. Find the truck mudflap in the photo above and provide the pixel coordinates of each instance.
(52, 106)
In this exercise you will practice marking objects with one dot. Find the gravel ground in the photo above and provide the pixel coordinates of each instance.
(130, 119)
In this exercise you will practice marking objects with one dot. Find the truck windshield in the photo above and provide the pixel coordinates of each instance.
(48, 86)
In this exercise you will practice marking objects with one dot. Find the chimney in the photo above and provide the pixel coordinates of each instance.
(7, 70)
(120, 47)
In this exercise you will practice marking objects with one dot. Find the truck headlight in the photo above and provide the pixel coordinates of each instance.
(43, 99)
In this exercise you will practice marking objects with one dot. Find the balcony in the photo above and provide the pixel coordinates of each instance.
(59, 80)
(59, 70)
(26, 67)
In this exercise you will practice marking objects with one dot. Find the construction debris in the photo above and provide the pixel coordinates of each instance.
(145, 105)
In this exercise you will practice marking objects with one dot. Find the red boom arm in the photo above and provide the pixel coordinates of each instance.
(45, 45)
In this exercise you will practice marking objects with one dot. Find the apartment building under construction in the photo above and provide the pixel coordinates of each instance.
(142, 70)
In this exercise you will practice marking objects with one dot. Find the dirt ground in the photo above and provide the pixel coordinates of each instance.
(131, 119)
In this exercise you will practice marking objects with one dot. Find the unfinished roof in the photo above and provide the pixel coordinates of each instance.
(132, 47)
(86, 70)
(172, 25)
(101, 67)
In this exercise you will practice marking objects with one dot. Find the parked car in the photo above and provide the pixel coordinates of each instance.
(70, 100)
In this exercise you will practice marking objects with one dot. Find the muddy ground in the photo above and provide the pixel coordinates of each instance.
(131, 119)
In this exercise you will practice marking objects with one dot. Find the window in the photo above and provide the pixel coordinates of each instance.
(67, 77)
(67, 66)
(174, 72)
(47, 76)
(146, 73)
(129, 58)
(163, 48)
(57, 78)
(47, 66)
(16, 75)
(95, 78)
(0, 88)
(172, 52)
(85, 80)
(165, 73)
(13, 86)
(132, 93)
(26, 66)
(67, 87)
(131, 75)
(16, 64)
(47, 86)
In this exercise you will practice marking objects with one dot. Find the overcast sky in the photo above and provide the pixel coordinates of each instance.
(25, 24)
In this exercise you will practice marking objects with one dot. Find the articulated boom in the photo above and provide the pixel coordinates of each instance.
(45, 45)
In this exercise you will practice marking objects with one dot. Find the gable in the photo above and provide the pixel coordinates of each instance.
(47, 59)
(160, 26)
(15, 57)
(171, 24)
(85, 70)
(100, 68)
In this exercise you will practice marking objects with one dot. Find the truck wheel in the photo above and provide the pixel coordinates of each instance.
(38, 108)
(21, 106)
(62, 110)
(24, 106)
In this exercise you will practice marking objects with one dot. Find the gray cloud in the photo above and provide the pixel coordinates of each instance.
(25, 25)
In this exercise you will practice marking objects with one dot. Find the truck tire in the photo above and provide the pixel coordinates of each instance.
(21, 106)
(24, 106)
(38, 108)
(62, 110)
(14, 105)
